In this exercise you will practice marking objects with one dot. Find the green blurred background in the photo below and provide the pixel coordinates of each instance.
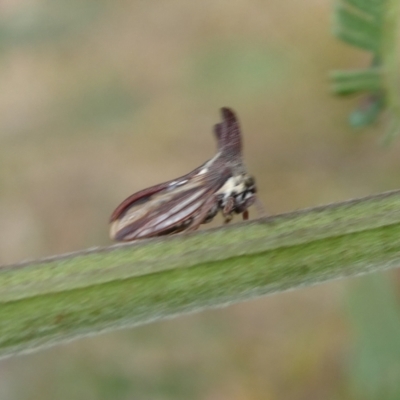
(101, 98)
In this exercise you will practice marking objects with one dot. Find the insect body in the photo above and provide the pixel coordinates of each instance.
(183, 204)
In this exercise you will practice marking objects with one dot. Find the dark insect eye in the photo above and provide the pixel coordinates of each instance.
(249, 181)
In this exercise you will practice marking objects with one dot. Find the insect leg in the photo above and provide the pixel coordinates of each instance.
(243, 207)
(228, 209)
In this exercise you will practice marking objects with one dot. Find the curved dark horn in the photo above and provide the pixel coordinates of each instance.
(218, 135)
(228, 133)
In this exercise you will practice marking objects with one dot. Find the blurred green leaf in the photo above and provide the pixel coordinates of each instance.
(348, 82)
(372, 8)
(371, 25)
(358, 29)
(367, 111)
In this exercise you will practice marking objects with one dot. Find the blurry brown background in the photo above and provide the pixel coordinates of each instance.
(102, 98)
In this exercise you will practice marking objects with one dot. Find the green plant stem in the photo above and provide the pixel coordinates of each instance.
(47, 301)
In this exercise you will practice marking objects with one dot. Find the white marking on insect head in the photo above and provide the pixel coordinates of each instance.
(233, 184)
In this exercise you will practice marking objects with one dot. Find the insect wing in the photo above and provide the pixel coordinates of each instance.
(166, 208)
(145, 195)
(136, 199)
(167, 215)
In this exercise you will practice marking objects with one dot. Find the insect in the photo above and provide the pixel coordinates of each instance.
(183, 204)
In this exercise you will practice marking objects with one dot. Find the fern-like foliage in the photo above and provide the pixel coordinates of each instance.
(371, 25)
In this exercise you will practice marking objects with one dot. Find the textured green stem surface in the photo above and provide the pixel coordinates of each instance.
(51, 300)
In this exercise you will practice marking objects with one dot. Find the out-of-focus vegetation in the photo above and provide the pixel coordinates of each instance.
(371, 25)
(100, 99)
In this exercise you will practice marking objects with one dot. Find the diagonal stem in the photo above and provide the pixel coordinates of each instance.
(47, 301)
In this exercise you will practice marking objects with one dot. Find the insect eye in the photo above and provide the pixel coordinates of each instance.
(249, 181)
